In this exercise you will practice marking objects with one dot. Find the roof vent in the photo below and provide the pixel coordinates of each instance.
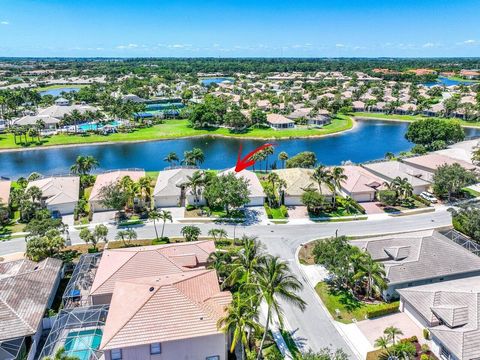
(151, 289)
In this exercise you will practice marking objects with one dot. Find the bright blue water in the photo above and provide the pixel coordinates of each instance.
(95, 126)
(447, 82)
(215, 80)
(370, 140)
(164, 106)
(58, 92)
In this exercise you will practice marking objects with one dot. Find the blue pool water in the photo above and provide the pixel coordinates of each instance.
(58, 92)
(81, 343)
(94, 126)
(215, 80)
(164, 106)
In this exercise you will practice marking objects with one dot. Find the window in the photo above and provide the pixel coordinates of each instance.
(155, 349)
(116, 354)
(214, 357)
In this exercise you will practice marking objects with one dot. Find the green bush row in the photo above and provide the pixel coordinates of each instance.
(383, 310)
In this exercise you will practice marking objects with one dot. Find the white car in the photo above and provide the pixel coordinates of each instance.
(429, 197)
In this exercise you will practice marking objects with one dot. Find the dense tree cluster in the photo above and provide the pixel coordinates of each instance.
(434, 133)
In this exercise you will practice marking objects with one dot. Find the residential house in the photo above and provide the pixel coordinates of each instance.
(431, 162)
(358, 106)
(389, 170)
(27, 291)
(256, 196)
(171, 316)
(361, 185)
(62, 107)
(278, 121)
(136, 262)
(5, 191)
(297, 180)
(470, 74)
(108, 178)
(171, 190)
(415, 260)
(451, 312)
(48, 121)
(59, 193)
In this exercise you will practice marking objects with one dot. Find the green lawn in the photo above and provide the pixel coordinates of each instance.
(349, 307)
(458, 78)
(59, 86)
(381, 116)
(172, 129)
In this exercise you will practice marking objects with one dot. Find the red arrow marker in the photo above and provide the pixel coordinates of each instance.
(246, 161)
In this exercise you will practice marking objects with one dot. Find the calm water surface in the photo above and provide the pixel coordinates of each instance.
(448, 82)
(58, 91)
(368, 141)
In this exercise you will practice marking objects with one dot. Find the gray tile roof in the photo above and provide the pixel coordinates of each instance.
(25, 290)
(456, 304)
(389, 170)
(411, 259)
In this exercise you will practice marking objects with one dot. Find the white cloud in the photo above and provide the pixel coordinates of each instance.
(129, 46)
(4, 22)
(179, 46)
(428, 45)
(340, 45)
(471, 42)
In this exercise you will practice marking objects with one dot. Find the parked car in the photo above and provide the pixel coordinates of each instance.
(429, 197)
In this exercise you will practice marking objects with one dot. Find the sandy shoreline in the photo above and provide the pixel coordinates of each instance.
(49, 147)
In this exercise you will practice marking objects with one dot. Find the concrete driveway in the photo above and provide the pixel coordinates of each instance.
(297, 212)
(373, 329)
(372, 208)
(103, 217)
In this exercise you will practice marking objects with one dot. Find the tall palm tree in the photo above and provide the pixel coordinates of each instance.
(84, 165)
(337, 177)
(131, 188)
(275, 281)
(145, 185)
(382, 342)
(154, 215)
(239, 320)
(267, 152)
(321, 175)
(164, 215)
(374, 274)
(283, 157)
(194, 183)
(392, 332)
(171, 158)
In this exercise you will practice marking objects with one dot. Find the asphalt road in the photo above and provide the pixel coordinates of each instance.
(312, 327)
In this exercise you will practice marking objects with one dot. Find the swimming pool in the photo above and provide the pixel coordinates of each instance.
(82, 343)
(95, 126)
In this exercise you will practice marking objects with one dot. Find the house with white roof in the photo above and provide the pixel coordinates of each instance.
(257, 195)
(450, 310)
(278, 121)
(171, 190)
(59, 193)
(420, 259)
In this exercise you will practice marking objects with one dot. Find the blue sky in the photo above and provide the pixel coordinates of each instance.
(249, 28)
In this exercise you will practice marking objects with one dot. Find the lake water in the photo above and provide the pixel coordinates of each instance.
(448, 82)
(58, 91)
(370, 140)
(215, 80)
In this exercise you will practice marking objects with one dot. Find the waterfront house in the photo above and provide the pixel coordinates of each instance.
(167, 317)
(389, 170)
(256, 196)
(59, 193)
(451, 312)
(62, 102)
(59, 111)
(50, 122)
(421, 259)
(27, 291)
(5, 191)
(361, 185)
(171, 190)
(297, 180)
(137, 262)
(470, 74)
(278, 121)
(108, 178)
(358, 105)
(431, 162)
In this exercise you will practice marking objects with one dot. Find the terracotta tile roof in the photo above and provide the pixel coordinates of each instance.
(5, 191)
(434, 160)
(165, 308)
(129, 263)
(360, 180)
(25, 290)
(112, 177)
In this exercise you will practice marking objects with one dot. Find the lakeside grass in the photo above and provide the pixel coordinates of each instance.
(59, 86)
(174, 129)
(410, 118)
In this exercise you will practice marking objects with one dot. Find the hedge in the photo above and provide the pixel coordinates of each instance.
(422, 200)
(385, 309)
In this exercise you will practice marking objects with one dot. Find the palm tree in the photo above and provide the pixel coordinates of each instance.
(164, 216)
(374, 274)
(84, 165)
(172, 157)
(389, 155)
(61, 354)
(239, 320)
(34, 193)
(217, 234)
(194, 182)
(129, 234)
(131, 188)
(145, 185)
(193, 157)
(392, 332)
(267, 152)
(190, 232)
(337, 177)
(275, 281)
(382, 342)
(321, 175)
(283, 157)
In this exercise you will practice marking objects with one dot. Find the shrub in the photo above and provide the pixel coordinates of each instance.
(284, 210)
(268, 211)
(223, 242)
(388, 197)
(412, 339)
(420, 199)
(383, 310)
(426, 334)
(424, 357)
